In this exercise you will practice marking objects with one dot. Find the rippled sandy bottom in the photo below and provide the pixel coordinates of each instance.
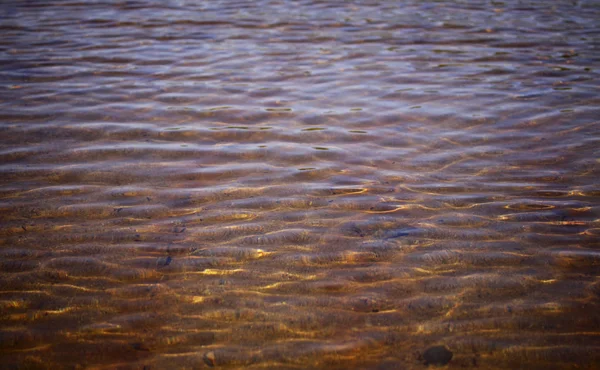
(299, 185)
(267, 277)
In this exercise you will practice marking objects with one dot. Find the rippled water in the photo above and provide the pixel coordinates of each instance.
(299, 184)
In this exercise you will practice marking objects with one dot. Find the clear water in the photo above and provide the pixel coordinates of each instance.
(299, 184)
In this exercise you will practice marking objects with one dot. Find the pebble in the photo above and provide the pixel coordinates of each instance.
(437, 355)
(164, 261)
(209, 358)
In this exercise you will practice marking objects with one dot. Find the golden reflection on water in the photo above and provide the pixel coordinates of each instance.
(317, 184)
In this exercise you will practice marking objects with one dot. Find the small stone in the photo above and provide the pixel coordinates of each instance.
(210, 359)
(437, 355)
(164, 261)
(140, 347)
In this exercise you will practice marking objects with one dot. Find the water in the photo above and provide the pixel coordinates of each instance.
(299, 184)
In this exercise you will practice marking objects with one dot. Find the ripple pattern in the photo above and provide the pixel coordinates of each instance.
(299, 184)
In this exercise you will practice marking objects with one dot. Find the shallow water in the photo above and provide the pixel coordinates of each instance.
(299, 184)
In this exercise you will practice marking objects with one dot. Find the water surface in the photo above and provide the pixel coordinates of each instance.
(299, 184)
